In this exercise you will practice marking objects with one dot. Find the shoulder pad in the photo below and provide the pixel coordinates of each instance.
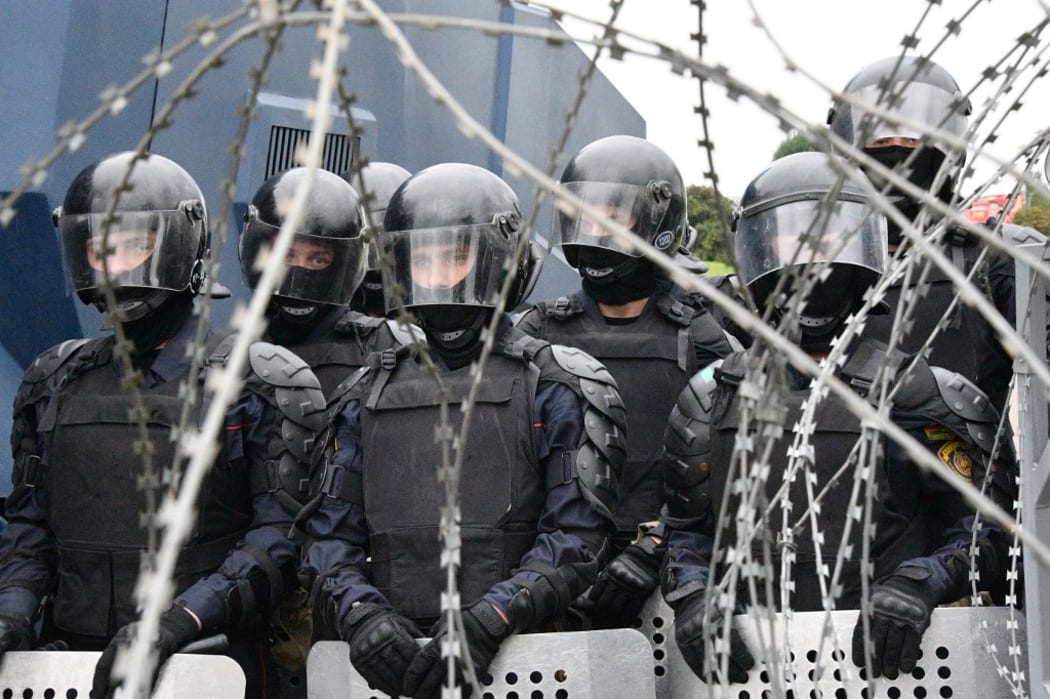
(968, 402)
(596, 384)
(694, 406)
(687, 451)
(279, 366)
(49, 361)
(297, 392)
(517, 344)
(1021, 235)
(405, 334)
(862, 367)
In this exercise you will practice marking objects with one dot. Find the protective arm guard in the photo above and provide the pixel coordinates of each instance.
(288, 384)
(602, 451)
(687, 451)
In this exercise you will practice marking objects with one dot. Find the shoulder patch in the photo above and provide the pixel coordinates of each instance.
(956, 456)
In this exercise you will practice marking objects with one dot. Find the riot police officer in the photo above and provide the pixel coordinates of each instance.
(539, 462)
(650, 335)
(809, 245)
(376, 182)
(138, 224)
(326, 262)
(926, 97)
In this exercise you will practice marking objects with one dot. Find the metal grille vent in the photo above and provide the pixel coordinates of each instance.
(339, 150)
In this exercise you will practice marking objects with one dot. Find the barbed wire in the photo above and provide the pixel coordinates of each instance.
(1011, 78)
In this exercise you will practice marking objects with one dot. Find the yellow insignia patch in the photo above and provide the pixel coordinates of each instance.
(955, 456)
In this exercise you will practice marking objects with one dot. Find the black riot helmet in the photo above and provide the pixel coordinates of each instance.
(327, 257)
(804, 209)
(452, 232)
(376, 182)
(139, 222)
(921, 92)
(633, 182)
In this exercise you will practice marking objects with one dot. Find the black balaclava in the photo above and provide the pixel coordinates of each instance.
(368, 298)
(150, 331)
(921, 172)
(453, 332)
(614, 278)
(290, 320)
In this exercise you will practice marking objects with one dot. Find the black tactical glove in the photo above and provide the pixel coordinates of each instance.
(623, 587)
(177, 629)
(900, 613)
(382, 644)
(485, 630)
(690, 619)
(15, 632)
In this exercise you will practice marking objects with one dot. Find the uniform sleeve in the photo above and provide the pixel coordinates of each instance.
(28, 551)
(953, 525)
(259, 568)
(571, 530)
(335, 561)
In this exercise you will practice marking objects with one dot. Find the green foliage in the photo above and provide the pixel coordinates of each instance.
(795, 143)
(1035, 214)
(711, 244)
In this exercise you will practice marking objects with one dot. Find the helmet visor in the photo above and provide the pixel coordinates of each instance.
(462, 265)
(808, 230)
(321, 269)
(638, 209)
(152, 249)
(919, 103)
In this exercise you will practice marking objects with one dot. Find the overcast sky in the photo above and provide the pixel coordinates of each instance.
(830, 40)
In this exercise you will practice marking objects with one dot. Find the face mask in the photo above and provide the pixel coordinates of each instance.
(614, 279)
(453, 331)
(162, 324)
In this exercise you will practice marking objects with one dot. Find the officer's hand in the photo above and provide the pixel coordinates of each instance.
(901, 606)
(177, 629)
(382, 644)
(690, 617)
(623, 587)
(15, 632)
(485, 630)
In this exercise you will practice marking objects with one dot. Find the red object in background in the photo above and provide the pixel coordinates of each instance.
(991, 205)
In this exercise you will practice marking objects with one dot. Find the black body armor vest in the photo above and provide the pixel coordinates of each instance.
(96, 502)
(502, 489)
(651, 359)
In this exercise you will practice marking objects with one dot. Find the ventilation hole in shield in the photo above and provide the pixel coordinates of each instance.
(812, 674)
(838, 655)
(942, 652)
(512, 695)
(71, 694)
(815, 694)
(49, 693)
(893, 692)
(511, 678)
(535, 677)
(764, 677)
(561, 694)
(837, 674)
(487, 680)
(946, 692)
(864, 693)
(658, 622)
(637, 623)
(488, 695)
(920, 693)
(560, 675)
(790, 694)
(536, 694)
(918, 673)
(944, 672)
(658, 670)
(811, 655)
(8, 694)
(658, 654)
(841, 693)
(658, 638)
(743, 695)
(767, 694)
(27, 694)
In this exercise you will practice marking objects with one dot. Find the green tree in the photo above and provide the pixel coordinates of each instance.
(1035, 214)
(794, 143)
(711, 244)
